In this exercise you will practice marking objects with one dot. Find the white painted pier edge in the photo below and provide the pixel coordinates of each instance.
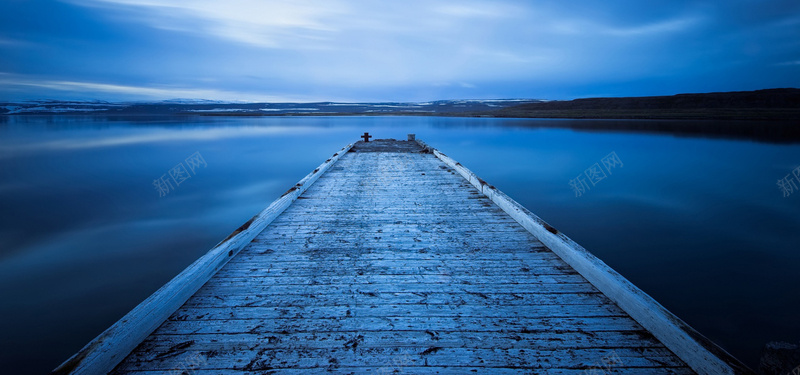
(699, 353)
(109, 348)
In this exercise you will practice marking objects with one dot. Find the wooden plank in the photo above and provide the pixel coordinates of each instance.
(221, 312)
(155, 345)
(255, 268)
(594, 324)
(540, 281)
(398, 298)
(251, 270)
(316, 286)
(261, 254)
(393, 367)
(355, 355)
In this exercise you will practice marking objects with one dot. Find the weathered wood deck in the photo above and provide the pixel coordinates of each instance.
(393, 262)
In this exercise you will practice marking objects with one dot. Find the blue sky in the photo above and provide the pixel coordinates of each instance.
(359, 50)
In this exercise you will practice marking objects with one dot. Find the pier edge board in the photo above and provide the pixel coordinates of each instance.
(699, 353)
(110, 347)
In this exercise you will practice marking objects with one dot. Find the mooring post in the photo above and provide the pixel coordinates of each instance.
(366, 137)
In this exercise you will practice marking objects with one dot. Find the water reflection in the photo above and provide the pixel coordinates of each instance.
(84, 236)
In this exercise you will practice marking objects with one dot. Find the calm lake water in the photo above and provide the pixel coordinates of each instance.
(699, 224)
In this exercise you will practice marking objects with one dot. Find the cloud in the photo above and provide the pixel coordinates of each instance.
(556, 23)
(129, 92)
(668, 26)
(12, 42)
(480, 10)
(271, 23)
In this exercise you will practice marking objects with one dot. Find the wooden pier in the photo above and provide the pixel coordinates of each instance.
(393, 258)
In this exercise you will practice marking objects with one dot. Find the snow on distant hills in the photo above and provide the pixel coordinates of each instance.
(205, 107)
(56, 106)
(191, 101)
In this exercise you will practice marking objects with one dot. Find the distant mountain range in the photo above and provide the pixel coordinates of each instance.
(771, 104)
(209, 107)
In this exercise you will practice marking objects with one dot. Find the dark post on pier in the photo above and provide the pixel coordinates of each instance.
(393, 257)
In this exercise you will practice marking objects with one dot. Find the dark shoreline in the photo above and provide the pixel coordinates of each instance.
(735, 114)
